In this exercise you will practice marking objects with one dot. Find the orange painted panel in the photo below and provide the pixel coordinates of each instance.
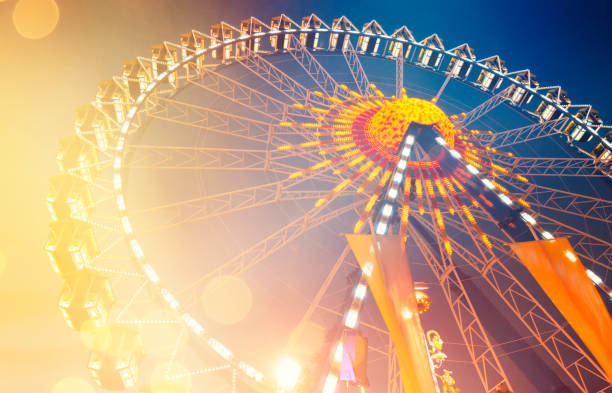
(558, 270)
(390, 282)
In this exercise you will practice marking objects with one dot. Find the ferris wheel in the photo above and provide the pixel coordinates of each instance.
(200, 212)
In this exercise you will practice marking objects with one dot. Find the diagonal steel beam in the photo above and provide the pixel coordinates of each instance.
(359, 75)
(482, 109)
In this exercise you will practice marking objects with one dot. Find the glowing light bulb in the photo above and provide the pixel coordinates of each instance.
(287, 374)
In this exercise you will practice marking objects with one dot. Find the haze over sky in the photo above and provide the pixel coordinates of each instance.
(43, 81)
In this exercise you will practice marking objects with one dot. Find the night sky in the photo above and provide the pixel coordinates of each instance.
(43, 81)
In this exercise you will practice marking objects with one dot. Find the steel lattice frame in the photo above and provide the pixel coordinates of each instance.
(159, 83)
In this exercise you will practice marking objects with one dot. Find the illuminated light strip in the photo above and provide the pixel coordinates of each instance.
(485, 200)
(444, 195)
(318, 143)
(356, 111)
(436, 209)
(419, 192)
(372, 201)
(344, 121)
(345, 182)
(370, 177)
(333, 133)
(313, 168)
(489, 149)
(351, 164)
(528, 218)
(393, 189)
(506, 171)
(338, 148)
(406, 206)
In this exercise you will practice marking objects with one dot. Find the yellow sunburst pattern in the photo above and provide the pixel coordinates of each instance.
(359, 138)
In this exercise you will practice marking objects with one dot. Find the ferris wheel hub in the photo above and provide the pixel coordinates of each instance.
(386, 127)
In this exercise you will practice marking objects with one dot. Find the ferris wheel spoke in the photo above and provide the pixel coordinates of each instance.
(552, 166)
(354, 65)
(562, 348)
(253, 99)
(313, 68)
(217, 205)
(261, 250)
(544, 197)
(241, 94)
(325, 286)
(219, 122)
(522, 134)
(207, 119)
(484, 108)
(274, 76)
(209, 158)
(477, 342)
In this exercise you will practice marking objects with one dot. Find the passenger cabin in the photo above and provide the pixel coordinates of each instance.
(71, 245)
(69, 197)
(116, 367)
(370, 42)
(487, 79)
(137, 75)
(249, 27)
(77, 156)
(405, 40)
(112, 99)
(546, 111)
(576, 132)
(87, 296)
(192, 42)
(220, 33)
(431, 55)
(458, 67)
(94, 126)
(517, 93)
(281, 23)
(163, 57)
(339, 35)
(310, 38)
(603, 153)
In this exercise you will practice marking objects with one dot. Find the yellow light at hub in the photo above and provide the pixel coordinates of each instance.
(389, 124)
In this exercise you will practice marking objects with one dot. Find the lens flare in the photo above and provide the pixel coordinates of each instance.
(35, 19)
(72, 385)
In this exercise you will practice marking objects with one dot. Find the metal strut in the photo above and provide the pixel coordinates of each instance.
(399, 72)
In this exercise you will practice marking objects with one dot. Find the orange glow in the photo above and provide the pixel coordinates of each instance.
(35, 19)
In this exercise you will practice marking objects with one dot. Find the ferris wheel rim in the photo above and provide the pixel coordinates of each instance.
(119, 158)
